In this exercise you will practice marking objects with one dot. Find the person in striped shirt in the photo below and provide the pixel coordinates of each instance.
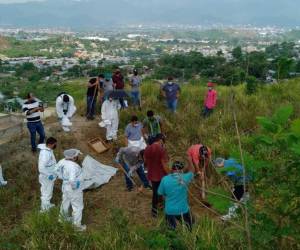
(32, 109)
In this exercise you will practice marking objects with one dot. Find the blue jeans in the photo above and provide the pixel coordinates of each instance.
(34, 127)
(141, 173)
(90, 104)
(186, 218)
(135, 95)
(172, 105)
(207, 112)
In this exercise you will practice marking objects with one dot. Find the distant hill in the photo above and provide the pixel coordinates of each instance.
(95, 13)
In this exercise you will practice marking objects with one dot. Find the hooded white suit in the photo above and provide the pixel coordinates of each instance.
(65, 111)
(47, 176)
(110, 118)
(71, 174)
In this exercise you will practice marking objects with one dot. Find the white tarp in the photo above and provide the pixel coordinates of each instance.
(95, 173)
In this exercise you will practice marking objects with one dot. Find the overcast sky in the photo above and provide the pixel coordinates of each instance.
(18, 1)
(87, 13)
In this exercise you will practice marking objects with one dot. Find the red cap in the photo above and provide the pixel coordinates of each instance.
(210, 84)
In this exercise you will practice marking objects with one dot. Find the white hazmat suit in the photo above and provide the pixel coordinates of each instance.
(110, 118)
(47, 175)
(65, 110)
(72, 188)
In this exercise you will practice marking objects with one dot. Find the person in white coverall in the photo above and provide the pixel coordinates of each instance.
(65, 109)
(72, 188)
(110, 118)
(47, 172)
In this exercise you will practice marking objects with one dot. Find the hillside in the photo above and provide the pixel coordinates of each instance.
(117, 219)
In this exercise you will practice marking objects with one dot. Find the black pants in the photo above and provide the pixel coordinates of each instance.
(186, 218)
(238, 192)
(156, 199)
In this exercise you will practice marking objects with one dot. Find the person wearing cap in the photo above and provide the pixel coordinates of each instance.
(131, 159)
(156, 161)
(210, 100)
(234, 171)
(199, 156)
(135, 83)
(119, 84)
(47, 172)
(134, 133)
(175, 187)
(72, 188)
(110, 118)
(65, 109)
(170, 91)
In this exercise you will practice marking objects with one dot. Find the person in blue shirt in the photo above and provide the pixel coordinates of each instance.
(174, 187)
(234, 171)
(170, 91)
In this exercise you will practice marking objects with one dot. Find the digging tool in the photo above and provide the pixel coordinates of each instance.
(140, 188)
(90, 107)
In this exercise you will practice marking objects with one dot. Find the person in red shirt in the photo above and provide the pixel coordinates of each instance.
(199, 156)
(119, 84)
(210, 100)
(156, 160)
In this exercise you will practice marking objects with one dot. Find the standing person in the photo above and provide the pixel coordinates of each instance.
(108, 87)
(234, 171)
(47, 172)
(170, 91)
(156, 161)
(101, 81)
(65, 109)
(72, 187)
(32, 109)
(174, 187)
(199, 156)
(135, 83)
(131, 159)
(92, 93)
(110, 118)
(119, 84)
(152, 126)
(134, 134)
(210, 100)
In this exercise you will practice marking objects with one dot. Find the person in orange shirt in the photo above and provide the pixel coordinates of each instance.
(199, 157)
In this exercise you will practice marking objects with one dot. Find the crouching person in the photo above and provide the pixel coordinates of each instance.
(234, 171)
(65, 109)
(131, 159)
(72, 187)
(174, 187)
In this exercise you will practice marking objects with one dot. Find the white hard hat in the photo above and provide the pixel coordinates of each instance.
(71, 153)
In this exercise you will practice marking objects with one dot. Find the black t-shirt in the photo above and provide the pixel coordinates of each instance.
(91, 91)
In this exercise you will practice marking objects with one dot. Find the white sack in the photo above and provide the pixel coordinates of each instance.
(95, 173)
